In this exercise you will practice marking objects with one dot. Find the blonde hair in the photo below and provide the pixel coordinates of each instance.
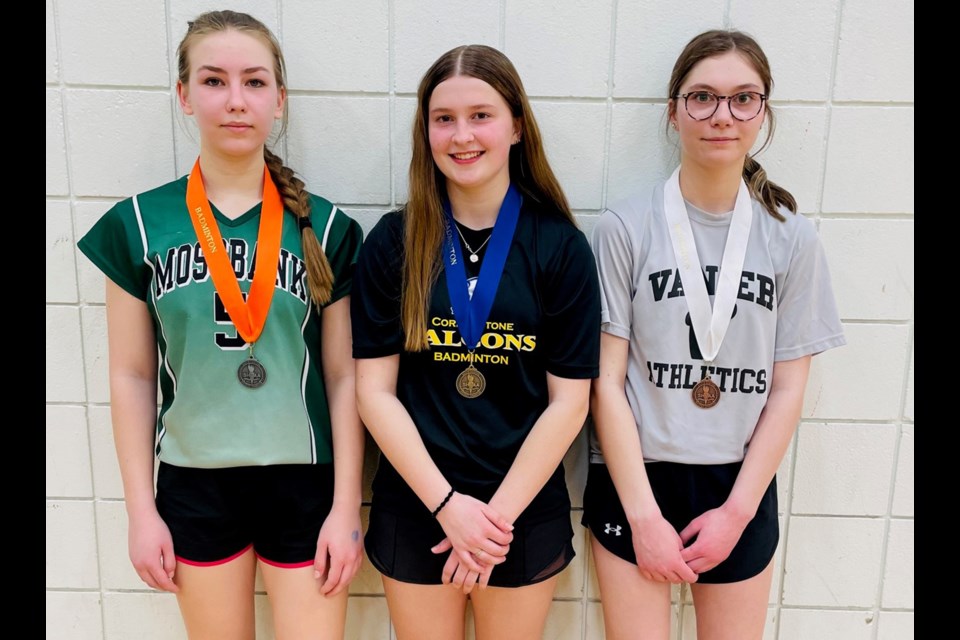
(292, 190)
(423, 213)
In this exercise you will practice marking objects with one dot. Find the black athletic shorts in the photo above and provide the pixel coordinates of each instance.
(215, 515)
(399, 548)
(683, 492)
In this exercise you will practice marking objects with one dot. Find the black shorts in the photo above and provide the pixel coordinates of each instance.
(215, 515)
(683, 492)
(399, 548)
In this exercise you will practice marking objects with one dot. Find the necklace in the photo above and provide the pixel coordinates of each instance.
(473, 252)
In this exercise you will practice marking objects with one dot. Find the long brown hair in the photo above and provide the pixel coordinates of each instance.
(291, 188)
(423, 213)
(717, 42)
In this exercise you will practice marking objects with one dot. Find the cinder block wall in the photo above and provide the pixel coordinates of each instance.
(597, 72)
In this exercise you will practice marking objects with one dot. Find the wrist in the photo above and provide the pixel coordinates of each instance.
(440, 505)
(740, 510)
(643, 515)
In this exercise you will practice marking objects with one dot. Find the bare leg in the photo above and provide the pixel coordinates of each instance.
(425, 611)
(734, 611)
(512, 614)
(217, 601)
(634, 608)
(300, 612)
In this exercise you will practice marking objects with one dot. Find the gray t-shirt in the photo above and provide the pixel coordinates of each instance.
(784, 310)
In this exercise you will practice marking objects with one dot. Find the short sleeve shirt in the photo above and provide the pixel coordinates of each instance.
(784, 310)
(147, 246)
(545, 319)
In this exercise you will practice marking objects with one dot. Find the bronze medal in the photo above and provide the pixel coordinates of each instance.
(470, 382)
(251, 373)
(706, 393)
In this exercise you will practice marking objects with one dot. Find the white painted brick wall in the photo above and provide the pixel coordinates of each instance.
(801, 55)
(67, 452)
(61, 280)
(113, 42)
(404, 110)
(803, 624)
(52, 65)
(325, 132)
(896, 625)
(798, 143)
(650, 35)
(125, 615)
(56, 179)
(106, 471)
(883, 185)
(337, 45)
(64, 363)
(597, 72)
(903, 487)
(908, 406)
(873, 265)
(573, 137)
(561, 52)
(93, 321)
(833, 562)
(127, 131)
(367, 618)
(843, 469)
(77, 616)
(91, 282)
(640, 155)
(898, 572)
(875, 54)
(842, 381)
(71, 549)
(116, 572)
(423, 30)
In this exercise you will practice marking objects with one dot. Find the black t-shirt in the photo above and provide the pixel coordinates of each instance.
(545, 318)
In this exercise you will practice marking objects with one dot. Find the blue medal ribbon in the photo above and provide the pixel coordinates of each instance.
(471, 313)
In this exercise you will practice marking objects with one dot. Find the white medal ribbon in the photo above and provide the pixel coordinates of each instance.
(709, 326)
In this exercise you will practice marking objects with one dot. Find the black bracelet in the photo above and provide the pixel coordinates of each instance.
(443, 504)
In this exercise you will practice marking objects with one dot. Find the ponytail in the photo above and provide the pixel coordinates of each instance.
(770, 194)
(297, 200)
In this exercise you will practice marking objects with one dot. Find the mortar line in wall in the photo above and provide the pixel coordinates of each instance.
(607, 133)
(80, 305)
(282, 141)
(785, 538)
(502, 36)
(391, 101)
(885, 548)
(829, 107)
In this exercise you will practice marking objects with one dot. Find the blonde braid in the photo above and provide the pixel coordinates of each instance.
(297, 200)
(770, 194)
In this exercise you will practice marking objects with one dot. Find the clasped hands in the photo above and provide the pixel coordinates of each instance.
(478, 539)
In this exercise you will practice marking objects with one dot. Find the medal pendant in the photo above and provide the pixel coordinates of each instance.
(474, 258)
(251, 373)
(470, 382)
(706, 393)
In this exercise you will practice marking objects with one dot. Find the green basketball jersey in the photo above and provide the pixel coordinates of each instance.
(207, 418)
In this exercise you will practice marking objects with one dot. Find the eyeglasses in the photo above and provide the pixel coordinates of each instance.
(744, 106)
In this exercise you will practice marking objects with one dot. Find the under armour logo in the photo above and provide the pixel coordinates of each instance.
(610, 529)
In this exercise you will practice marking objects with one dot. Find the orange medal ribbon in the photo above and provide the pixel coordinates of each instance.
(248, 316)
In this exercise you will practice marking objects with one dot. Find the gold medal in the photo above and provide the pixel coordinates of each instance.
(470, 382)
(706, 393)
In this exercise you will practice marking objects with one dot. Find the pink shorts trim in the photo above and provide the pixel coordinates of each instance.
(285, 565)
(214, 563)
